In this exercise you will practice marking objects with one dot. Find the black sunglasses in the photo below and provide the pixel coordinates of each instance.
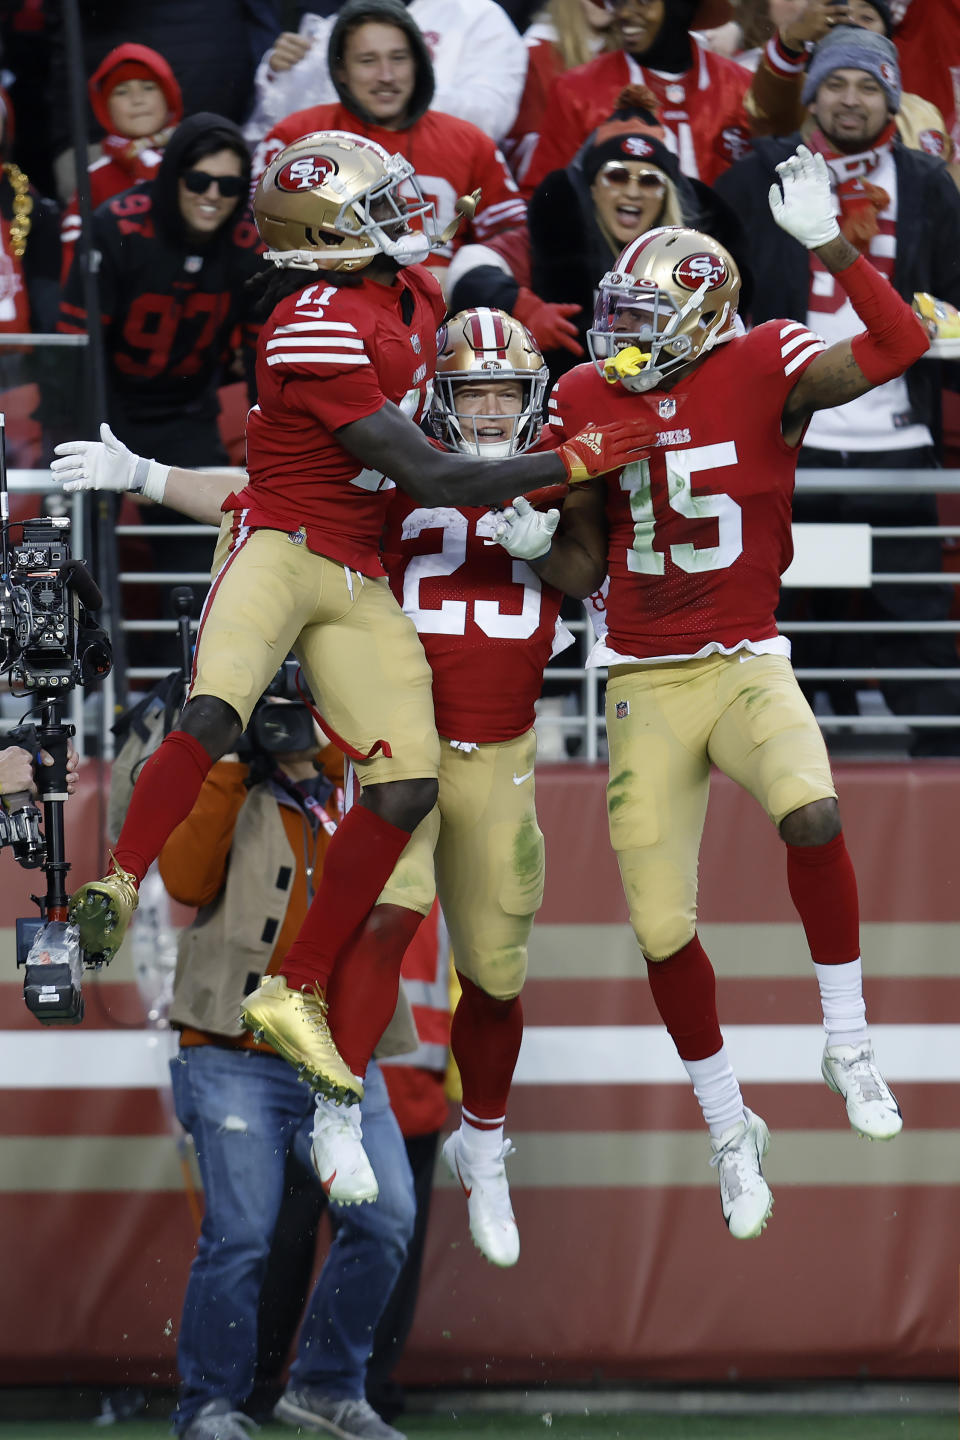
(198, 182)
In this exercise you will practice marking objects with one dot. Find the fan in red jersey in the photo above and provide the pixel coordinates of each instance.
(380, 65)
(488, 626)
(694, 540)
(344, 365)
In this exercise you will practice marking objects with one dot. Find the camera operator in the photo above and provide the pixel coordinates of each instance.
(249, 856)
(17, 769)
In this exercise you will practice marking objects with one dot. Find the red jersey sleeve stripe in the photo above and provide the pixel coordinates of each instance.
(304, 327)
(803, 338)
(314, 357)
(315, 342)
(804, 356)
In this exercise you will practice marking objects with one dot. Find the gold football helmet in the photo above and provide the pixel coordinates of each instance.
(331, 201)
(480, 346)
(671, 297)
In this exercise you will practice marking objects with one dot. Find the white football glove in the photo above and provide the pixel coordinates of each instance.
(525, 533)
(805, 208)
(107, 464)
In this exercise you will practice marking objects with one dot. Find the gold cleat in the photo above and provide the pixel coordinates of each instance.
(102, 910)
(294, 1022)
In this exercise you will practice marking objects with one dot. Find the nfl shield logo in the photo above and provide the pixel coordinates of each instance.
(623, 709)
(667, 409)
(415, 342)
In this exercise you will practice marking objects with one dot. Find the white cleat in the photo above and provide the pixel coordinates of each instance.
(338, 1155)
(485, 1185)
(745, 1196)
(851, 1071)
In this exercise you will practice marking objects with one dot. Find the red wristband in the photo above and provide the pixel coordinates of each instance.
(895, 338)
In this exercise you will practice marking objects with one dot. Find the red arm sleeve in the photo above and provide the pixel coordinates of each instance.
(895, 338)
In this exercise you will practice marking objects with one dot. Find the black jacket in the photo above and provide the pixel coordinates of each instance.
(927, 258)
(169, 305)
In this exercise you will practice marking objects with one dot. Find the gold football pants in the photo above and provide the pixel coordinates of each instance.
(480, 849)
(666, 725)
(361, 655)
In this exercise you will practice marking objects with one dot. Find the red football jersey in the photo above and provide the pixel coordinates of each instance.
(451, 157)
(487, 622)
(702, 113)
(699, 534)
(325, 358)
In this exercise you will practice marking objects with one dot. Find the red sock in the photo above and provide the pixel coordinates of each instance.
(823, 887)
(362, 994)
(164, 794)
(684, 990)
(358, 864)
(485, 1036)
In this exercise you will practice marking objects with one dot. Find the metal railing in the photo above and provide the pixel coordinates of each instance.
(585, 724)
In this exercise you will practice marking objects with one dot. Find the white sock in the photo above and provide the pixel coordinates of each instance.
(718, 1091)
(841, 996)
(477, 1142)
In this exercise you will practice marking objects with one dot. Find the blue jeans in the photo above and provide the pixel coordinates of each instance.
(245, 1110)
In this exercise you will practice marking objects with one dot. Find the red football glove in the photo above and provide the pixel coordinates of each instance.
(548, 323)
(597, 449)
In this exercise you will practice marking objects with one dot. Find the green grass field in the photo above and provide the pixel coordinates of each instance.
(592, 1426)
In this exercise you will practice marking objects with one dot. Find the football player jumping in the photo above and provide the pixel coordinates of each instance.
(694, 540)
(488, 626)
(344, 366)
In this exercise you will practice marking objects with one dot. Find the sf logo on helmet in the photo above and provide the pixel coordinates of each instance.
(305, 173)
(692, 272)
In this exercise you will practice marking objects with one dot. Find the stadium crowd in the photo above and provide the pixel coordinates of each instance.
(542, 143)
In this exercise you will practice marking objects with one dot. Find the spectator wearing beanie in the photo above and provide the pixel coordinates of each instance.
(624, 182)
(775, 98)
(902, 211)
(698, 94)
(136, 99)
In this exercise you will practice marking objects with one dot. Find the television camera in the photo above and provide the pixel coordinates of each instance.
(49, 644)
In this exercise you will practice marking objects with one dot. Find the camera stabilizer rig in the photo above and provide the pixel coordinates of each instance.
(48, 645)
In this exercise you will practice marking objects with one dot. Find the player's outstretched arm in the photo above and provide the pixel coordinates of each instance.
(107, 464)
(803, 205)
(389, 442)
(573, 557)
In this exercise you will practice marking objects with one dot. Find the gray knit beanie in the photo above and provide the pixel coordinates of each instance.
(847, 47)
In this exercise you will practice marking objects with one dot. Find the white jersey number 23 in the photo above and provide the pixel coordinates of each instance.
(450, 617)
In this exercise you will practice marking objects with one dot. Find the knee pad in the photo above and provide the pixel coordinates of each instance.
(662, 936)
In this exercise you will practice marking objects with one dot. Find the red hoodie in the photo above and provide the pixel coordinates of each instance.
(124, 162)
